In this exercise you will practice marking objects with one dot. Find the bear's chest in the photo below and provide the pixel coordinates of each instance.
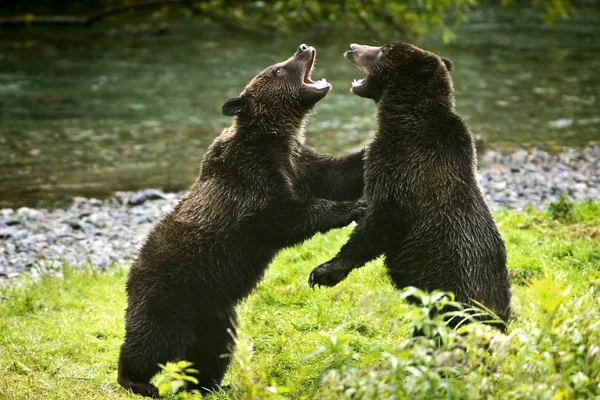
(388, 171)
(291, 178)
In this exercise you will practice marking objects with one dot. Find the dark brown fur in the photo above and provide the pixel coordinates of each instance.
(425, 211)
(260, 189)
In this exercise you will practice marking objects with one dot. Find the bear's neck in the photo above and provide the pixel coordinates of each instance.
(405, 101)
(271, 124)
(397, 114)
(433, 96)
(284, 133)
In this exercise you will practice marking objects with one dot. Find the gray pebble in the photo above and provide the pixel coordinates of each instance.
(145, 195)
(107, 232)
(74, 223)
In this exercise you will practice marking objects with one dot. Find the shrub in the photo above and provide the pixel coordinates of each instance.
(560, 358)
(562, 210)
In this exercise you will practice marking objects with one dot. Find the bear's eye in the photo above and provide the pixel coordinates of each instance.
(278, 72)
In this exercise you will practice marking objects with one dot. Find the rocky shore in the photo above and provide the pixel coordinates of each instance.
(103, 232)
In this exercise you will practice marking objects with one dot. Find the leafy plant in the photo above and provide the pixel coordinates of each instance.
(561, 357)
(175, 378)
(383, 18)
(562, 210)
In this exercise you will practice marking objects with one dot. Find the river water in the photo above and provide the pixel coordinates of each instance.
(90, 111)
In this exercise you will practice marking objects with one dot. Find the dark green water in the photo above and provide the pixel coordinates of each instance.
(89, 111)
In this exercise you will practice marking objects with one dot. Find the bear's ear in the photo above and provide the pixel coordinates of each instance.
(447, 63)
(235, 105)
(429, 65)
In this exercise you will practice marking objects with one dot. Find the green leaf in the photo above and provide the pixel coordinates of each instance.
(20, 368)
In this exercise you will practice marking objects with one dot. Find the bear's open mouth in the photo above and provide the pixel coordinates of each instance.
(320, 84)
(359, 82)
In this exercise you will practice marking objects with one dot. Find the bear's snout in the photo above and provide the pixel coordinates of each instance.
(362, 56)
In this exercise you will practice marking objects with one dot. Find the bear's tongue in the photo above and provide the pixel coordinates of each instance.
(320, 84)
(309, 68)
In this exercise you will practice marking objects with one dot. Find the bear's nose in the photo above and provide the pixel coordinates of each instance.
(302, 48)
(352, 47)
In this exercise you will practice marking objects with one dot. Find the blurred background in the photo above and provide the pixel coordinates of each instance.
(109, 95)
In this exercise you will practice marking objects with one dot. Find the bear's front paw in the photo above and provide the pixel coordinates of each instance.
(360, 207)
(350, 211)
(327, 275)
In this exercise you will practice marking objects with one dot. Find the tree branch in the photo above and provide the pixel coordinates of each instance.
(229, 22)
(29, 19)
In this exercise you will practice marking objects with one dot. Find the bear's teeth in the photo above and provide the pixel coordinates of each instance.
(320, 83)
(357, 82)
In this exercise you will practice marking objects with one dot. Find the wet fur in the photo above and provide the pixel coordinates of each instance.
(260, 189)
(426, 212)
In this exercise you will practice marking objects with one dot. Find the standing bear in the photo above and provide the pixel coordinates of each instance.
(255, 195)
(425, 209)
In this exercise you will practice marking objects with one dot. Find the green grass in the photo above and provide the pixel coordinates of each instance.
(60, 336)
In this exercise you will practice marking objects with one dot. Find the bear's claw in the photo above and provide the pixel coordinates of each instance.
(326, 275)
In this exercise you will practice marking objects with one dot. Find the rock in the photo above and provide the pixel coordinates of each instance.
(26, 212)
(99, 220)
(561, 123)
(9, 275)
(145, 195)
(67, 240)
(6, 212)
(111, 231)
(498, 198)
(498, 186)
(5, 233)
(74, 223)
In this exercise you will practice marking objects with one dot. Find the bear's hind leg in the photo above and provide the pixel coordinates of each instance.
(212, 353)
(134, 378)
(143, 350)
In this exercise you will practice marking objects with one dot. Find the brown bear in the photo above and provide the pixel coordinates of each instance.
(425, 210)
(260, 189)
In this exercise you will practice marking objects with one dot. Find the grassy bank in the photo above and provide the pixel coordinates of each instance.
(60, 336)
